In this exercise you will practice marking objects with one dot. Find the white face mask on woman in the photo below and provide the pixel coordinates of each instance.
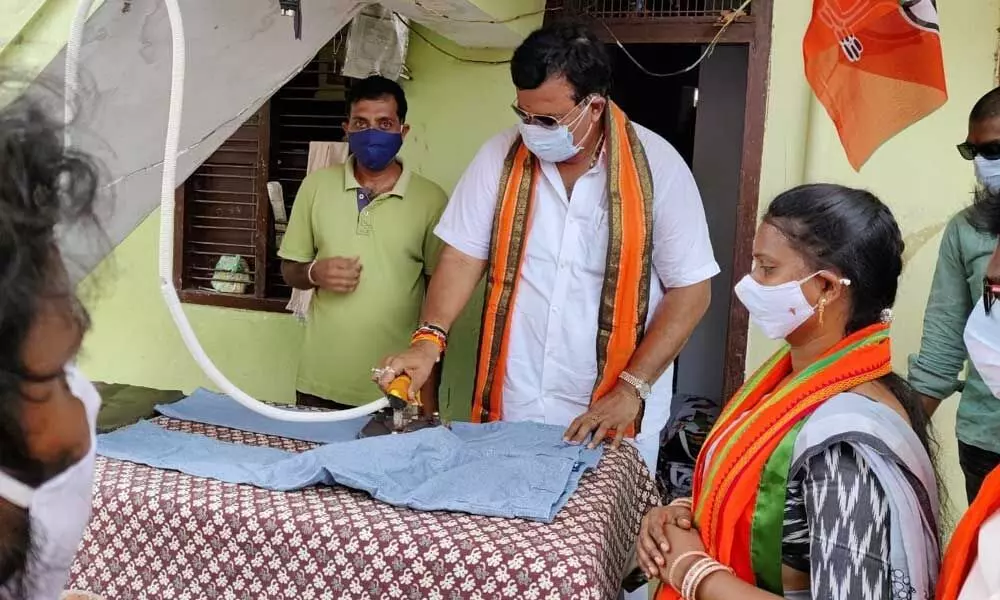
(555, 144)
(982, 342)
(60, 508)
(777, 310)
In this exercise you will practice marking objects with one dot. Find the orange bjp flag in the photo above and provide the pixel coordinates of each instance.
(876, 66)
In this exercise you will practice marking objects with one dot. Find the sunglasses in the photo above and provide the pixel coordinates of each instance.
(991, 291)
(989, 150)
(547, 121)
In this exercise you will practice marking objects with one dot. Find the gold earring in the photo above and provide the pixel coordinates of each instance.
(821, 309)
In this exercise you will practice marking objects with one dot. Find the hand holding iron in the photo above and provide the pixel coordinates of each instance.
(417, 361)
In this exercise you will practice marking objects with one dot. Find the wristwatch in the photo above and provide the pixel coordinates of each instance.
(642, 388)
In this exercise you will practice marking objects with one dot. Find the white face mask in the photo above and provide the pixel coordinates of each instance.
(988, 173)
(777, 310)
(555, 144)
(60, 508)
(982, 342)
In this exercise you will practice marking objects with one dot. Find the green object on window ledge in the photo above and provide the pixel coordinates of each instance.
(232, 275)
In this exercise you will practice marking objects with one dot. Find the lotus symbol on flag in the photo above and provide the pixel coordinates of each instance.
(876, 66)
(922, 13)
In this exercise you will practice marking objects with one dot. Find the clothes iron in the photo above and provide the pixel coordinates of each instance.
(402, 416)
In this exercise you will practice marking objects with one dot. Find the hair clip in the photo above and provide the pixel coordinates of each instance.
(886, 316)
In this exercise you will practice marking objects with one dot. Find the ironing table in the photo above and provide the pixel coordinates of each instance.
(161, 534)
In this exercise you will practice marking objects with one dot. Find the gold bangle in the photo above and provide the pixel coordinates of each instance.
(693, 576)
(677, 561)
(682, 502)
(707, 572)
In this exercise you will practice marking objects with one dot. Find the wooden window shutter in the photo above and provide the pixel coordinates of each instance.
(223, 209)
(224, 212)
(312, 107)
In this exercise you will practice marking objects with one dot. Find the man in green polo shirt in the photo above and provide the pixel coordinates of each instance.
(361, 236)
(964, 259)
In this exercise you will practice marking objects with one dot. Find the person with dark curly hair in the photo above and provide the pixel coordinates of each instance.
(48, 410)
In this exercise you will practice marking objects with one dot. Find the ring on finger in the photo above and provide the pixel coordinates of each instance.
(383, 371)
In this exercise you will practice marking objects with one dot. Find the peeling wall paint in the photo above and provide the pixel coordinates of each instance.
(918, 239)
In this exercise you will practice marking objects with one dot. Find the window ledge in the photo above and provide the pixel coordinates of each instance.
(238, 301)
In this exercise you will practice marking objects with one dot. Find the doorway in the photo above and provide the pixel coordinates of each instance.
(714, 116)
(701, 113)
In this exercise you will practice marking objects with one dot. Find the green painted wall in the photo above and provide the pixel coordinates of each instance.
(454, 108)
(33, 32)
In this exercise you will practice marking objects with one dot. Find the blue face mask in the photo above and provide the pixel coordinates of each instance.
(988, 173)
(373, 148)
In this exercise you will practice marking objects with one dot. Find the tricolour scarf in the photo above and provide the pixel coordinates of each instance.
(742, 472)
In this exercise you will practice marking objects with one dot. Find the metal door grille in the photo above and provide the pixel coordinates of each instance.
(651, 9)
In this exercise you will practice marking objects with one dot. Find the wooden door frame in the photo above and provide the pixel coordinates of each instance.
(755, 32)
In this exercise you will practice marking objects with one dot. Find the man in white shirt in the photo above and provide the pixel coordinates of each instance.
(592, 235)
(968, 571)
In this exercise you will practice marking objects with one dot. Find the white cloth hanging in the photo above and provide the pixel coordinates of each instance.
(321, 156)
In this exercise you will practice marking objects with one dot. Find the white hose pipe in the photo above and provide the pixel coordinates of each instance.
(169, 183)
(73, 65)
